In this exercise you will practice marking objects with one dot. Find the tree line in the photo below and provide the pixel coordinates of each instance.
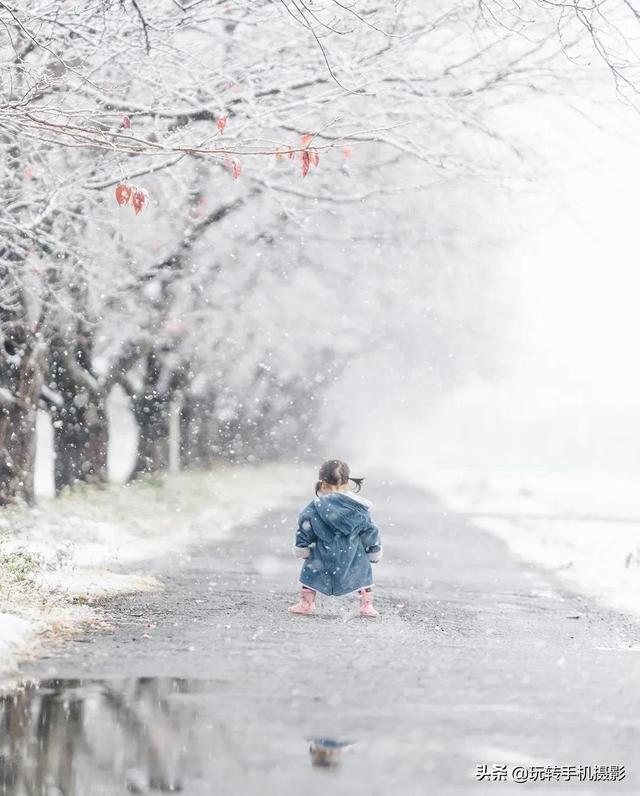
(206, 204)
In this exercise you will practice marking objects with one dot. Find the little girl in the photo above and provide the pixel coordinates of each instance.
(339, 541)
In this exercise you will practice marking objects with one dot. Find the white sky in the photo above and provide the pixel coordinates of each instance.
(571, 398)
(582, 283)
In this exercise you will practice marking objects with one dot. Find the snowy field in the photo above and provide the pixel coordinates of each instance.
(57, 558)
(583, 526)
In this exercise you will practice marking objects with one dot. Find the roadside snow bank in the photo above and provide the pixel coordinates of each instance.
(57, 558)
(585, 527)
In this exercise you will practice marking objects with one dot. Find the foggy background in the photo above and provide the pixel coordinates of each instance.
(563, 391)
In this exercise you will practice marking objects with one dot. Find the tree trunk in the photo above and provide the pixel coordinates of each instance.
(153, 442)
(198, 433)
(24, 355)
(96, 451)
(80, 426)
(81, 437)
(174, 434)
(151, 410)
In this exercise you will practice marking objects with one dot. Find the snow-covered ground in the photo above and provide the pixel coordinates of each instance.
(57, 558)
(584, 526)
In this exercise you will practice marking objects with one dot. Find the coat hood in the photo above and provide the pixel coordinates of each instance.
(344, 512)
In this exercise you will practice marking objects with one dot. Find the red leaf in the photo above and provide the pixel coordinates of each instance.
(221, 123)
(126, 122)
(139, 200)
(234, 166)
(291, 154)
(306, 140)
(347, 152)
(279, 155)
(315, 156)
(305, 162)
(123, 193)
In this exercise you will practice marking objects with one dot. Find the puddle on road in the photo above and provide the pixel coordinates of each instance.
(66, 736)
(153, 735)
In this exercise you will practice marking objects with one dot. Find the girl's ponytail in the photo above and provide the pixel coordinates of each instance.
(336, 473)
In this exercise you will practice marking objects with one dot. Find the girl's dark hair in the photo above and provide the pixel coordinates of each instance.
(336, 473)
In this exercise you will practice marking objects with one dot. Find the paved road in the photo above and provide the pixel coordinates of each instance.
(476, 659)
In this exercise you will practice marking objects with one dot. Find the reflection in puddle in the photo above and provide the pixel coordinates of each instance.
(87, 736)
(151, 735)
(327, 751)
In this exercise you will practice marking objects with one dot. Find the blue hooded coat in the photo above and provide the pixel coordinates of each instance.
(339, 540)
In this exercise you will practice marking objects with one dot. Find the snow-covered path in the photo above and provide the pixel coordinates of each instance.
(476, 659)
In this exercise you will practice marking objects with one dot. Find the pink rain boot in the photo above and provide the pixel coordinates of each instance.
(366, 604)
(307, 604)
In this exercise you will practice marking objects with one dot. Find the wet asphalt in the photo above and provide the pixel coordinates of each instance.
(477, 659)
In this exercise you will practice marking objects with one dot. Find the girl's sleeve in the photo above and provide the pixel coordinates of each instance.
(370, 537)
(305, 537)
